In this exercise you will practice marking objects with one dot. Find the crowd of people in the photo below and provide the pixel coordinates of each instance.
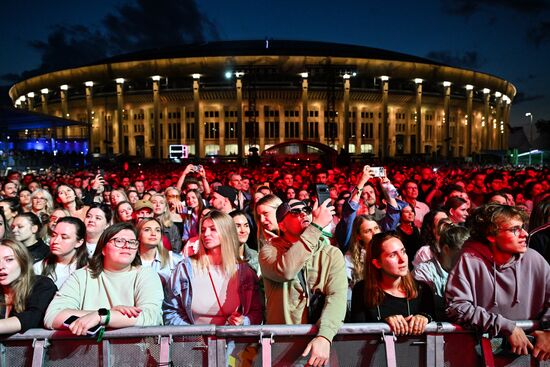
(231, 245)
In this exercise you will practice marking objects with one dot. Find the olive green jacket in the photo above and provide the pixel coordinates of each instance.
(286, 300)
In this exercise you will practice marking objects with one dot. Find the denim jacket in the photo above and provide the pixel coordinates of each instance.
(179, 293)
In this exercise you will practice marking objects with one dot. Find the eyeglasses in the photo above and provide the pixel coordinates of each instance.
(516, 230)
(297, 211)
(121, 242)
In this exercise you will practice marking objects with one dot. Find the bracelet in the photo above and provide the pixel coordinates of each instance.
(323, 232)
(359, 189)
(317, 226)
(107, 318)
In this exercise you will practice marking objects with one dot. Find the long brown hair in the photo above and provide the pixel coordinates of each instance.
(21, 286)
(374, 294)
(162, 251)
(357, 248)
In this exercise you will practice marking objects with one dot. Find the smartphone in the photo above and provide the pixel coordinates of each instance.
(378, 171)
(91, 331)
(322, 193)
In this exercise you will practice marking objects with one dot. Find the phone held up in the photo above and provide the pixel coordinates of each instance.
(378, 171)
(91, 331)
(322, 193)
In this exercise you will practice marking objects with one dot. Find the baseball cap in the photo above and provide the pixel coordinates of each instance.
(143, 204)
(286, 207)
(228, 192)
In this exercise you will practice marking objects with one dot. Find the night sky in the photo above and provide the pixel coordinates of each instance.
(506, 38)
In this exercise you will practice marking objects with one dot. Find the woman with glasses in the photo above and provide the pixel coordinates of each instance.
(24, 296)
(114, 291)
(67, 251)
(214, 287)
(388, 292)
(41, 202)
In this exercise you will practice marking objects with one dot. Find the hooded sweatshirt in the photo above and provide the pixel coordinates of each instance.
(491, 297)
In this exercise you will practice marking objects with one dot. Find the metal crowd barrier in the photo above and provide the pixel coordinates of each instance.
(442, 345)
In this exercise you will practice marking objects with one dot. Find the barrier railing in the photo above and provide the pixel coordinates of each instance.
(443, 344)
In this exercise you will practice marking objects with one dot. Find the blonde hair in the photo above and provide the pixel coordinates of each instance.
(163, 218)
(270, 200)
(162, 251)
(229, 242)
(21, 286)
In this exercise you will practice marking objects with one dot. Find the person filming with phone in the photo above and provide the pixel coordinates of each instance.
(304, 276)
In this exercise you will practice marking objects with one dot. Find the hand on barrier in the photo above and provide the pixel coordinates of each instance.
(542, 346)
(235, 319)
(128, 311)
(519, 344)
(81, 325)
(320, 351)
(417, 324)
(398, 324)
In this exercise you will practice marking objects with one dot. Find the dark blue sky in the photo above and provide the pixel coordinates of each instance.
(506, 38)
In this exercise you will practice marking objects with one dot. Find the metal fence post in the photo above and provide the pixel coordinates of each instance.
(389, 342)
(39, 351)
(164, 353)
(435, 350)
(106, 353)
(266, 349)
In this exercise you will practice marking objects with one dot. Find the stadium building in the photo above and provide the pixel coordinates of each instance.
(222, 98)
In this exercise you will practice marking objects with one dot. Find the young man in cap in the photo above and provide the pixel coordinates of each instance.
(300, 267)
(224, 199)
(143, 209)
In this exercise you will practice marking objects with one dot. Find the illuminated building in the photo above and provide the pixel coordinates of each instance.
(224, 97)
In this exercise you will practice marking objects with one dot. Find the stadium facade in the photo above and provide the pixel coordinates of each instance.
(222, 98)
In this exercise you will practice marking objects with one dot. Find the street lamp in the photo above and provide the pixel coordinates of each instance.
(530, 115)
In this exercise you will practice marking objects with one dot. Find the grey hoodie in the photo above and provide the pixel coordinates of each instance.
(489, 297)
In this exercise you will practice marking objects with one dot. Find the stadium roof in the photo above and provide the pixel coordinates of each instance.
(267, 47)
(15, 119)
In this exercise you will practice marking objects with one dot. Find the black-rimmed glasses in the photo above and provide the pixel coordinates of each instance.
(121, 242)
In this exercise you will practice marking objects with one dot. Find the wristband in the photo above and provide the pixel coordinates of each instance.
(317, 226)
(104, 312)
(326, 234)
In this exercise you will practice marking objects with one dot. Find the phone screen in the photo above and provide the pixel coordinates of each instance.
(91, 331)
(322, 193)
(70, 320)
